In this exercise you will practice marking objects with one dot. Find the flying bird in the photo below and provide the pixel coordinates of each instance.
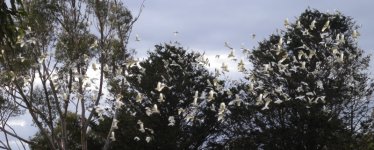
(160, 86)
(228, 46)
(137, 38)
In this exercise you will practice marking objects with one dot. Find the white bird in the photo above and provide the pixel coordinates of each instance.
(300, 54)
(250, 87)
(161, 98)
(341, 57)
(141, 126)
(326, 25)
(148, 139)
(160, 86)
(312, 25)
(139, 98)
(355, 34)
(321, 98)
(115, 124)
(213, 107)
(236, 101)
(259, 100)
(118, 104)
(280, 42)
(171, 121)
(298, 24)
(148, 111)
(224, 67)
(241, 67)
(137, 38)
(319, 84)
(312, 53)
(210, 95)
(231, 54)
(342, 39)
(136, 138)
(267, 102)
(267, 67)
(303, 63)
(221, 111)
(155, 109)
(112, 137)
(180, 111)
(278, 101)
(194, 103)
(286, 23)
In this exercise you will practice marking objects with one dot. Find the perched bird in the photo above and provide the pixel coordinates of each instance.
(210, 95)
(148, 111)
(115, 123)
(341, 57)
(298, 24)
(141, 126)
(139, 98)
(355, 34)
(326, 25)
(194, 103)
(148, 139)
(312, 25)
(259, 99)
(112, 137)
(171, 121)
(267, 102)
(278, 101)
(221, 111)
(180, 111)
(286, 23)
(161, 98)
(118, 104)
(319, 84)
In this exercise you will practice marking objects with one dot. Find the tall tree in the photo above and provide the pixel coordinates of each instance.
(309, 85)
(163, 110)
(46, 72)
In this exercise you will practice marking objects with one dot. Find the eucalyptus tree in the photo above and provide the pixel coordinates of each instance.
(63, 62)
(309, 85)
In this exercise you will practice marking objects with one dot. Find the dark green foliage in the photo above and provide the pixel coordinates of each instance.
(181, 72)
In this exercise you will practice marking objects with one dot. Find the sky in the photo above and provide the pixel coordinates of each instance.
(205, 25)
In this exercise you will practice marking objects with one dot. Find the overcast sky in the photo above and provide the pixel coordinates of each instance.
(205, 25)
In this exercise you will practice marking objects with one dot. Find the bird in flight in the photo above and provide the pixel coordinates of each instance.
(160, 86)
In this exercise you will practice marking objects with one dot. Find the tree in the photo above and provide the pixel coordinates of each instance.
(179, 122)
(45, 72)
(309, 85)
